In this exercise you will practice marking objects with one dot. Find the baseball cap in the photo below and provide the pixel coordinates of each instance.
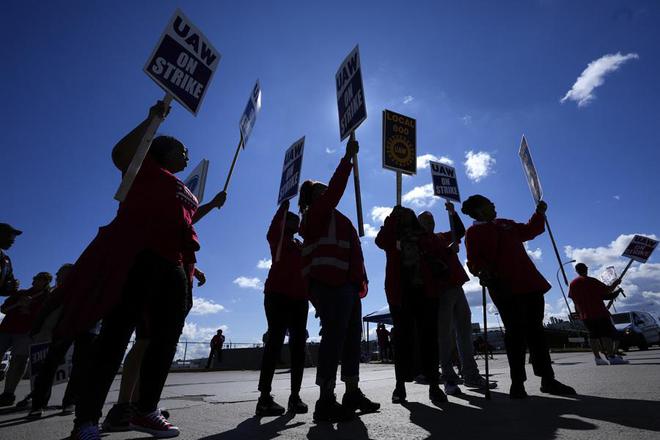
(7, 228)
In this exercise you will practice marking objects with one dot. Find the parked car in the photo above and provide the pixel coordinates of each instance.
(637, 329)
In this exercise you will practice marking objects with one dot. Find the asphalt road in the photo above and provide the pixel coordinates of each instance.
(614, 402)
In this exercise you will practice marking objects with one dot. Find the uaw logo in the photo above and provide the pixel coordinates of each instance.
(400, 151)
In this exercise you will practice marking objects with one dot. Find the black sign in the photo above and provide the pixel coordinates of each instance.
(445, 183)
(399, 142)
(350, 94)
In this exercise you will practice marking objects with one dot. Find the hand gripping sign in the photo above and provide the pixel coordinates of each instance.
(196, 181)
(183, 64)
(352, 110)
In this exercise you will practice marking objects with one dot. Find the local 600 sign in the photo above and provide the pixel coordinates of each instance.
(399, 142)
(183, 62)
(350, 94)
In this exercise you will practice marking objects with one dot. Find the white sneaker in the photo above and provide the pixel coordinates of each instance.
(616, 360)
(601, 361)
(452, 389)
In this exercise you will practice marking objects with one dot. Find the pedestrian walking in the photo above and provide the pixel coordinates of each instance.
(217, 341)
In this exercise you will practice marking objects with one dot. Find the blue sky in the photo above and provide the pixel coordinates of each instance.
(475, 75)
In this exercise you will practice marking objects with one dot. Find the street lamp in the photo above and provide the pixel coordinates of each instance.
(562, 289)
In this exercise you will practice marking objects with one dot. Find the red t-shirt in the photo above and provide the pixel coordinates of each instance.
(18, 320)
(587, 294)
(457, 276)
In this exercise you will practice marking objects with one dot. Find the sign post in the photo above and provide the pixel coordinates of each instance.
(352, 111)
(290, 181)
(399, 146)
(537, 192)
(246, 124)
(182, 64)
(445, 185)
(196, 181)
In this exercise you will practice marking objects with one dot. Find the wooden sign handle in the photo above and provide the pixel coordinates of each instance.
(358, 196)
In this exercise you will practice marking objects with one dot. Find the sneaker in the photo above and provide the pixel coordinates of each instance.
(296, 406)
(399, 395)
(479, 381)
(601, 361)
(451, 389)
(7, 399)
(616, 360)
(68, 409)
(329, 410)
(155, 424)
(86, 432)
(267, 407)
(35, 413)
(553, 386)
(436, 395)
(24, 403)
(118, 418)
(421, 380)
(517, 391)
(356, 400)
(165, 413)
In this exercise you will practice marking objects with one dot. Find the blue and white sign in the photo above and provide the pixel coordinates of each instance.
(183, 62)
(196, 181)
(530, 171)
(445, 182)
(291, 171)
(350, 94)
(250, 114)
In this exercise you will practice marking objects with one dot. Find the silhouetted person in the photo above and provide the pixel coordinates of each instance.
(383, 336)
(217, 341)
(8, 284)
(497, 255)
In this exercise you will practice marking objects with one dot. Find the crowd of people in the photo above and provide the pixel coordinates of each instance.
(137, 275)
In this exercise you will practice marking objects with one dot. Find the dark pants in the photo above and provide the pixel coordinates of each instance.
(284, 313)
(340, 310)
(415, 323)
(217, 353)
(156, 291)
(43, 383)
(522, 316)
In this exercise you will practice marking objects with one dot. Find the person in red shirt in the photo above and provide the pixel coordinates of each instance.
(8, 284)
(333, 270)
(286, 307)
(588, 295)
(137, 271)
(21, 310)
(454, 315)
(414, 270)
(217, 341)
(497, 255)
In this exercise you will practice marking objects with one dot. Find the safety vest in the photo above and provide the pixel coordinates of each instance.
(328, 257)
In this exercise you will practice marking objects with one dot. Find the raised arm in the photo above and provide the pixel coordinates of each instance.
(536, 224)
(217, 202)
(123, 152)
(337, 185)
(276, 225)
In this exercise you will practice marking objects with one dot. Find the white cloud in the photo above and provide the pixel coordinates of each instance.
(594, 76)
(370, 231)
(536, 254)
(478, 165)
(408, 99)
(642, 281)
(264, 263)
(423, 160)
(203, 306)
(420, 196)
(380, 213)
(330, 150)
(467, 119)
(248, 283)
(617, 197)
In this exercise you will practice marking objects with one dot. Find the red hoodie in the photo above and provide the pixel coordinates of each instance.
(285, 275)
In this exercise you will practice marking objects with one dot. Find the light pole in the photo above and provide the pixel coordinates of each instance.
(562, 289)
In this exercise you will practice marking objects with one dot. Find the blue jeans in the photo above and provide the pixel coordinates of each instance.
(340, 311)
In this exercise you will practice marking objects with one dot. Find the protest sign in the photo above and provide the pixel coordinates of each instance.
(399, 142)
(196, 181)
(350, 94)
(249, 116)
(183, 62)
(609, 275)
(445, 183)
(38, 353)
(291, 171)
(640, 248)
(530, 171)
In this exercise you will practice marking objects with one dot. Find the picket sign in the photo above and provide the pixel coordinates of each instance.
(399, 146)
(182, 64)
(445, 185)
(352, 111)
(196, 181)
(534, 184)
(38, 353)
(290, 181)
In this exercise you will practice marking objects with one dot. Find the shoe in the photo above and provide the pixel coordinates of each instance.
(155, 424)
(296, 406)
(421, 380)
(118, 418)
(68, 409)
(329, 410)
(267, 407)
(616, 360)
(399, 395)
(451, 389)
(86, 432)
(517, 391)
(436, 395)
(553, 386)
(35, 413)
(24, 403)
(356, 400)
(601, 361)
(7, 399)
(165, 413)
(479, 381)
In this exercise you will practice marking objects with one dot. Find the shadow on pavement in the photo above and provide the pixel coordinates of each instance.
(256, 428)
(353, 430)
